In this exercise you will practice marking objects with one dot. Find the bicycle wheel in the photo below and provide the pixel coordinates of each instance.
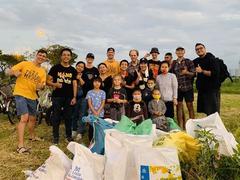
(39, 114)
(12, 111)
(48, 117)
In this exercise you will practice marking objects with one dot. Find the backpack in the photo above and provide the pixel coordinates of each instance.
(224, 73)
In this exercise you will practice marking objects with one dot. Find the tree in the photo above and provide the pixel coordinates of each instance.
(54, 54)
(8, 60)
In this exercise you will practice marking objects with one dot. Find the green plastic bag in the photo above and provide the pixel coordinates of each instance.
(128, 126)
(172, 124)
(125, 125)
(145, 128)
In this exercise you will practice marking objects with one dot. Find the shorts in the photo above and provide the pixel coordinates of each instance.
(26, 106)
(187, 95)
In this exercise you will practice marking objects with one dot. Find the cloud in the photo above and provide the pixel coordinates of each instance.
(230, 16)
(95, 25)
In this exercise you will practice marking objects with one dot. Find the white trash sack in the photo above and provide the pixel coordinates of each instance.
(55, 167)
(86, 165)
(119, 152)
(214, 123)
(157, 163)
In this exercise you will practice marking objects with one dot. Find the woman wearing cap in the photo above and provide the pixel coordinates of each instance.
(143, 74)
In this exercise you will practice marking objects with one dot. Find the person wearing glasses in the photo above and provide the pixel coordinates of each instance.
(207, 83)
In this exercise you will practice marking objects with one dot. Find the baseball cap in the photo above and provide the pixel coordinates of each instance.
(90, 55)
(154, 50)
(179, 48)
(143, 60)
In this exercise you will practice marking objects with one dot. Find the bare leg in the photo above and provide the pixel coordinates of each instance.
(190, 110)
(183, 118)
(180, 114)
(20, 127)
(31, 125)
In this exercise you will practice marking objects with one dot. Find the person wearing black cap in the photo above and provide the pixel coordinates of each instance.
(154, 63)
(90, 73)
(184, 70)
(143, 74)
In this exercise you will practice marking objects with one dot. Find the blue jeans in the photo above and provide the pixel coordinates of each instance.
(61, 109)
(79, 111)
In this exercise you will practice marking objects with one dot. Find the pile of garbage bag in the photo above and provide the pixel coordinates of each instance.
(125, 151)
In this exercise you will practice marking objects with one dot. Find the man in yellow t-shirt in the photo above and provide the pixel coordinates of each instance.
(30, 78)
(112, 64)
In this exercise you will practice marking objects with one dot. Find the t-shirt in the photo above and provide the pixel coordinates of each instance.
(207, 83)
(66, 76)
(88, 75)
(156, 68)
(129, 79)
(137, 111)
(147, 95)
(96, 97)
(26, 83)
(142, 84)
(107, 84)
(117, 94)
(113, 67)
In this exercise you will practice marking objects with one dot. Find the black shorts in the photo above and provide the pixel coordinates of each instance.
(188, 96)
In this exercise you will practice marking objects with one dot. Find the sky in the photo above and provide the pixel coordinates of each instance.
(95, 25)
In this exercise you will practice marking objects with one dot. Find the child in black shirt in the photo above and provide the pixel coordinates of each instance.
(137, 109)
(117, 97)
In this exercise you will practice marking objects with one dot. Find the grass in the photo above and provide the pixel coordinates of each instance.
(231, 87)
(12, 164)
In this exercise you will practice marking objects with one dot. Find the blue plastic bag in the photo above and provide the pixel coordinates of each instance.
(99, 125)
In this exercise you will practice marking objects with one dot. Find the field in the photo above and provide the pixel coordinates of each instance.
(12, 164)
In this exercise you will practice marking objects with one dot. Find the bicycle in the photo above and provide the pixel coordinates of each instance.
(44, 107)
(7, 103)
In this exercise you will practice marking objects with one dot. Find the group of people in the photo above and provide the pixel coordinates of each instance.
(140, 89)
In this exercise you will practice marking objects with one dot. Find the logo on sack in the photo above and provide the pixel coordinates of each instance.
(74, 174)
(160, 172)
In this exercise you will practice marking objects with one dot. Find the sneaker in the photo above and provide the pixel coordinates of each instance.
(74, 134)
(69, 139)
(78, 137)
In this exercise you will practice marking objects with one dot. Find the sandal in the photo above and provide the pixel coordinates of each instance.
(36, 139)
(23, 150)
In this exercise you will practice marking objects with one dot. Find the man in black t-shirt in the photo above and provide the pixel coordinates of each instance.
(207, 83)
(90, 72)
(62, 77)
